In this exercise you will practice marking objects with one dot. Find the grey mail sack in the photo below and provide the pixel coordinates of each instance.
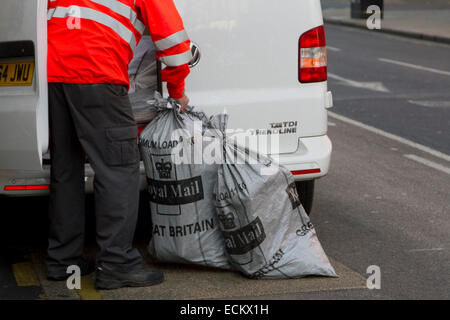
(185, 226)
(142, 72)
(268, 234)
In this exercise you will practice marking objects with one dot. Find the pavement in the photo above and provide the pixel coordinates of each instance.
(428, 20)
(186, 282)
(23, 272)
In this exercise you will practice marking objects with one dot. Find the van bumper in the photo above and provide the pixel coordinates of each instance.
(31, 183)
(310, 161)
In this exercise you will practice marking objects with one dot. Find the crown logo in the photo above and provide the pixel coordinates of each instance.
(227, 220)
(164, 169)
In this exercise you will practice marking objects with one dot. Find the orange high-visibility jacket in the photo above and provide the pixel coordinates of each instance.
(92, 41)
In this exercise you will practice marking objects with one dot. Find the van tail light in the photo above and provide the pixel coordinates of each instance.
(140, 129)
(27, 188)
(313, 56)
(303, 172)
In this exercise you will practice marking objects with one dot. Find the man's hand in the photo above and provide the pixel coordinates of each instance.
(183, 102)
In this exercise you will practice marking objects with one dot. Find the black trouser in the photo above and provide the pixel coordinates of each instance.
(94, 120)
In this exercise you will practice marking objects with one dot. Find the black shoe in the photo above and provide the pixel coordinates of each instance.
(108, 279)
(59, 274)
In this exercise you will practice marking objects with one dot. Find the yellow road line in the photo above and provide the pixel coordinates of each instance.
(87, 291)
(25, 274)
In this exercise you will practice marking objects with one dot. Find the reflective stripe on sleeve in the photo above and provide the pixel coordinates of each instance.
(172, 40)
(177, 59)
(99, 17)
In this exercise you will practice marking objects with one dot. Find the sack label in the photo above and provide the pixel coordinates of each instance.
(159, 145)
(272, 265)
(176, 192)
(245, 239)
(304, 229)
(231, 193)
(183, 230)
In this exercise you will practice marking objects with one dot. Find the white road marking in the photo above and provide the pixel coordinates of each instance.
(374, 86)
(331, 124)
(333, 49)
(391, 136)
(424, 250)
(414, 66)
(428, 163)
(431, 104)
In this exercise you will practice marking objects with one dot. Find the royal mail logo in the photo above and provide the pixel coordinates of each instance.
(247, 238)
(173, 193)
(227, 220)
(164, 169)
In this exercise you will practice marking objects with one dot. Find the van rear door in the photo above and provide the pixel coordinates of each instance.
(23, 84)
(249, 65)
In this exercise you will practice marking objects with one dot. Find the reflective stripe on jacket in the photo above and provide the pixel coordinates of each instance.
(92, 41)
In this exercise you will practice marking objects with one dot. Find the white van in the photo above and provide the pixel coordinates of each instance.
(264, 61)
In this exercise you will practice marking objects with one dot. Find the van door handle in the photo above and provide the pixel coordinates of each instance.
(196, 55)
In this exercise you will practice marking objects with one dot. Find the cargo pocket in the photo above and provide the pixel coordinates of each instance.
(117, 90)
(122, 148)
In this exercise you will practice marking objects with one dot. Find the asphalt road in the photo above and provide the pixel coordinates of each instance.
(385, 202)
(382, 204)
(405, 83)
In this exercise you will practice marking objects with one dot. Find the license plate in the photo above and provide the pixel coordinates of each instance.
(16, 73)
